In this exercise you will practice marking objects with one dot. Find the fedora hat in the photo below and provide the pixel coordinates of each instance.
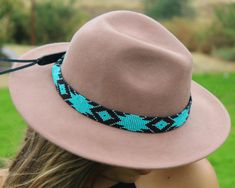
(122, 94)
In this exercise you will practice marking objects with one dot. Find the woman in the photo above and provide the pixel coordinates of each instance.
(117, 109)
(42, 164)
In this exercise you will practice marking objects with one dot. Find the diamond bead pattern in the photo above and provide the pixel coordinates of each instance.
(114, 118)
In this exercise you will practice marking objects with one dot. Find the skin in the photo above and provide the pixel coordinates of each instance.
(199, 174)
(3, 174)
(195, 175)
(114, 174)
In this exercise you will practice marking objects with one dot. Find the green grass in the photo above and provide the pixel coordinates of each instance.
(223, 86)
(12, 126)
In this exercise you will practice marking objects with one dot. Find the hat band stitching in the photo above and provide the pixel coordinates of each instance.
(114, 118)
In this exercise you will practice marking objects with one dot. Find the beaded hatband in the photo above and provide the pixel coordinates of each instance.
(115, 118)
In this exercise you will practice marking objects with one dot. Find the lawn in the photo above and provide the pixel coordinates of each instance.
(12, 126)
(223, 86)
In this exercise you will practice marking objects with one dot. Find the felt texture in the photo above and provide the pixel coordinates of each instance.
(129, 62)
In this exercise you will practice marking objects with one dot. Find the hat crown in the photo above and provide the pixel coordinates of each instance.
(129, 62)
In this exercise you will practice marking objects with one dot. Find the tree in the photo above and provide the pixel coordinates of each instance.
(57, 20)
(223, 27)
(167, 9)
(12, 20)
(5, 10)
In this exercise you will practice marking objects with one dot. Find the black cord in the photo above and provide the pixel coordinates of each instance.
(18, 68)
(44, 60)
(18, 60)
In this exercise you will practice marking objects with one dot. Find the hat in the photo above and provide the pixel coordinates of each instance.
(121, 95)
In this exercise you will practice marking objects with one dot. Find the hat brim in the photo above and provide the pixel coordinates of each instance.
(35, 97)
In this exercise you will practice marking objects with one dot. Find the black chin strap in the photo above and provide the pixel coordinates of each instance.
(44, 60)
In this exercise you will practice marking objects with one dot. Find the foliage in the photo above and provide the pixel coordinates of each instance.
(220, 35)
(227, 53)
(215, 37)
(6, 7)
(57, 20)
(186, 30)
(167, 9)
(223, 27)
(20, 26)
(8, 11)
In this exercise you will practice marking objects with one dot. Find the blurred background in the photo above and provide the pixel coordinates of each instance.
(206, 28)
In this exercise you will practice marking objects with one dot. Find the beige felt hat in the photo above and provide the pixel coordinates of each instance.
(122, 95)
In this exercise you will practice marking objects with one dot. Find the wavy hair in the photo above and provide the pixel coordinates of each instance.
(42, 164)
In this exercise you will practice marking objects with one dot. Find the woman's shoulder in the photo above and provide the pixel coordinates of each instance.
(3, 175)
(198, 174)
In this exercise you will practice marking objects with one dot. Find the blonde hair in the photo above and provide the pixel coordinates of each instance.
(42, 164)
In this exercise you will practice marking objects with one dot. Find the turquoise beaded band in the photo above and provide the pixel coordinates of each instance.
(115, 118)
